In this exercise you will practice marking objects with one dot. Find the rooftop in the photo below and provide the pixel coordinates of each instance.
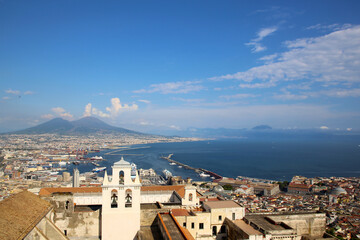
(266, 223)
(246, 227)
(49, 191)
(222, 204)
(180, 212)
(20, 213)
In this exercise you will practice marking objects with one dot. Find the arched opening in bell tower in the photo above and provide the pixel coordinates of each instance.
(190, 197)
(128, 198)
(121, 177)
(114, 198)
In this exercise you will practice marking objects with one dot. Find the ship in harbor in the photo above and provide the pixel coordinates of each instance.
(96, 164)
(98, 169)
(167, 174)
(97, 158)
(203, 175)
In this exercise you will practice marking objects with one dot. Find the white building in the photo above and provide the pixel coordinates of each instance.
(120, 203)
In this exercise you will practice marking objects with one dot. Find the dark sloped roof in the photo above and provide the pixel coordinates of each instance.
(20, 213)
(48, 191)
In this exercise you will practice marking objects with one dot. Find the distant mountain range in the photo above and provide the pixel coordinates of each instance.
(83, 126)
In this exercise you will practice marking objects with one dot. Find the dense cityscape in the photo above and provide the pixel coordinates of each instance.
(33, 162)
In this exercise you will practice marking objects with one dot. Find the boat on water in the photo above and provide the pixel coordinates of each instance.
(179, 166)
(167, 174)
(76, 162)
(97, 158)
(172, 163)
(98, 169)
(202, 174)
(96, 164)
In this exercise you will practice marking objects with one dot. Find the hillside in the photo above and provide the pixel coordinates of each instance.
(83, 126)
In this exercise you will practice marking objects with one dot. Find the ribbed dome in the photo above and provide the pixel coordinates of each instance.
(337, 191)
(218, 188)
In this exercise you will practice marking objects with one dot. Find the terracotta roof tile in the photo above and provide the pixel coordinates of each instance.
(180, 212)
(222, 204)
(180, 189)
(20, 213)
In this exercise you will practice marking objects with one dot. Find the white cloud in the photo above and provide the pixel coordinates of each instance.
(257, 46)
(290, 96)
(331, 27)
(340, 93)
(5, 98)
(348, 129)
(62, 112)
(87, 112)
(174, 127)
(144, 101)
(15, 92)
(47, 116)
(324, 127)
(173, 87)
(269, 58)
(189, 100)
(99, 113)
(117, 108)
(114, 110)
(239, 96)
(334, 57)
(257, 85)
(29, 93)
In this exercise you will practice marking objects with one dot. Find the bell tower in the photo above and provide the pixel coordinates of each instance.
(120, 203)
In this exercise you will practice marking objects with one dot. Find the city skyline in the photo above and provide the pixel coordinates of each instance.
(171, 65)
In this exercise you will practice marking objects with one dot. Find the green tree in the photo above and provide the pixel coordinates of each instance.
(228, 187)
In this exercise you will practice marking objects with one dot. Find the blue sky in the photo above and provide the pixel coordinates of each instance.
(150, 65)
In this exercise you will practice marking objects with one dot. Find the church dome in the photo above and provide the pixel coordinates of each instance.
(218, 188)
(337, 191)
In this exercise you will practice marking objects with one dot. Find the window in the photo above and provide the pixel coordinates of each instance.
(190, 197)
(192, 225)
(220, 217)
(201, 225)
(67, 205)
(65, 232)
(223, 229)
(184, 224)
(233, 216)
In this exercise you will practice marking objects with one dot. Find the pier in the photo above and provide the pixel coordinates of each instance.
(197, 170)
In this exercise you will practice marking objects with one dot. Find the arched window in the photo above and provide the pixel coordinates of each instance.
(114, 198)
(190, 197)
(67, 205)
(121, 177)
(128, 198)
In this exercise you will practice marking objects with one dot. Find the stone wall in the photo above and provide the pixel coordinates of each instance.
(78, 222)
(312, 224)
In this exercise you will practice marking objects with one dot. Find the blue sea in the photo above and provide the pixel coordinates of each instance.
(267, 159)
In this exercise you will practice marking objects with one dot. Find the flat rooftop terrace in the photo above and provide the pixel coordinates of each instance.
(265, 223)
